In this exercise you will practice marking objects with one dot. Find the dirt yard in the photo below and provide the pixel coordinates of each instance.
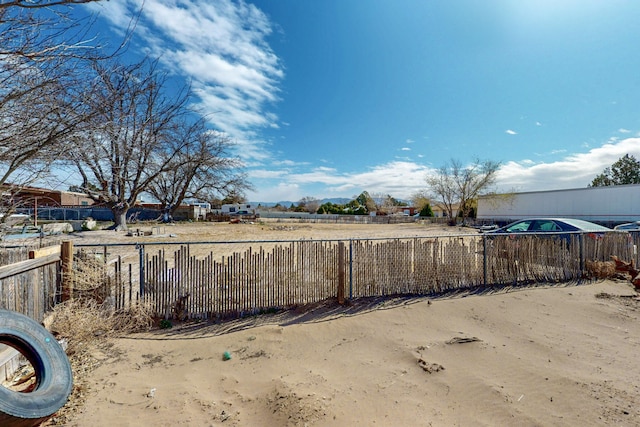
(553, 355)
(266, 229)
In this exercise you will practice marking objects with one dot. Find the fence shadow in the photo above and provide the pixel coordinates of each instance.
(328, 310)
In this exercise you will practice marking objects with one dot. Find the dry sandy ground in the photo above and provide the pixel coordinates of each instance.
(550, 356)
(266, 229)
(545, 356)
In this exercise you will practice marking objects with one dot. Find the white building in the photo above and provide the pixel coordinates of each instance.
(239, 209)
(610, 204)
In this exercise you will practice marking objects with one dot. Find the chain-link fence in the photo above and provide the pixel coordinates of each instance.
(225, 279)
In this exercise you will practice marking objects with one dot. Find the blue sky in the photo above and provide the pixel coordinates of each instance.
(330, 98)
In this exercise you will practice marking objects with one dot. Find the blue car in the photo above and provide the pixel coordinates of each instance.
(549, 225)
(556, 229)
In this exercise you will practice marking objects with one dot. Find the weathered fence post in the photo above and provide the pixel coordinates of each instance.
(351, 269)
(341, 272)
(582, 257)
(66, 261)
(140, 248)
(485, 267)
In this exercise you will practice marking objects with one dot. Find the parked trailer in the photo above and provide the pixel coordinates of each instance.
(610, 205)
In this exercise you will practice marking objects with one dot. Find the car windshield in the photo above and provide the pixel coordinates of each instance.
(544, 225)
(553, 225)
(585, 225)
(519, 226)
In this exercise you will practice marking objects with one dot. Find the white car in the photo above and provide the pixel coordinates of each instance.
(630, 226)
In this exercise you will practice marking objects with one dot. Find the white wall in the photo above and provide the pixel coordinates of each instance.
(619, 203)
(234, 208)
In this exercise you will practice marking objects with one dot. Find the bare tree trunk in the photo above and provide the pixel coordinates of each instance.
(120, 218)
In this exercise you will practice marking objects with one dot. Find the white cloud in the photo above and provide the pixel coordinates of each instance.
(221, 48)
(118, 13)
(405, 149)
(288, 163)
(574, 171)
(281, 192)
(326, 169)
(266, 174)
(401, 179)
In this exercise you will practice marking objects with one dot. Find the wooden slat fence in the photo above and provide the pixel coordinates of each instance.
(417, 266)
(223, 279)
(28, 286)
(241, 283)
(29, 277)
(31, 286)
(246, 278)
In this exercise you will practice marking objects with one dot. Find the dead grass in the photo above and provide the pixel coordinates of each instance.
(600, 269)
(85, 326)
(81, 322)
(91, 280)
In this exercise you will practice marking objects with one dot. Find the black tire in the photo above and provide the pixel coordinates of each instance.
(54, 379)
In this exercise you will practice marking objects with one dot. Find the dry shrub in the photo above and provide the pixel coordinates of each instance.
(90, 277)
(90, 315)
(82, 321)
(86, 326)
(600, 269)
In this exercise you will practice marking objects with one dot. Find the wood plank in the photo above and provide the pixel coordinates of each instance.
(42, 252)
(7, 353)
(24, 266)
(9, 362)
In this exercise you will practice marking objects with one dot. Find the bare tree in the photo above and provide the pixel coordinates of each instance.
(420, 199)
(42, 31)
(132, 137)
(233, 197)
(310, 204)
(457, 185)
(202, 169)
(37, 119)
(37, 4)
(42, 49)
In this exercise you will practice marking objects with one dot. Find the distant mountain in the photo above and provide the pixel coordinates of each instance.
(287, 203)
(271, 204)
(335, 201)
